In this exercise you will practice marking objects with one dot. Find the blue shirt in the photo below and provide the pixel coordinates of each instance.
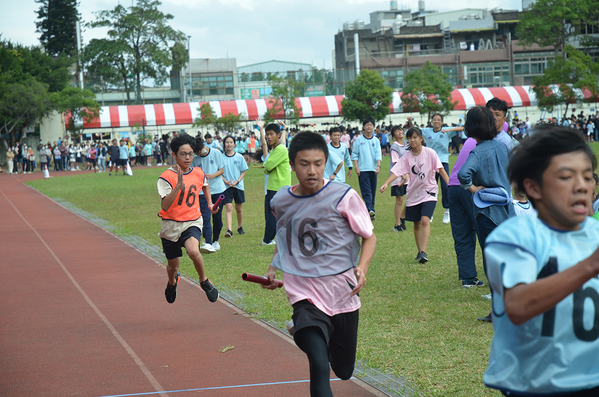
(342, 152)
(210, 163)
(331, 165)
(213, 145)
(438, 141)
(554, 352)
(123, 152)
(367, 151)
(240, 146)
(487, 166)
(234, 166)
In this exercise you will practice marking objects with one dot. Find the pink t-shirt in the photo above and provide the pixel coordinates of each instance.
(331, 294)
(345, 139)
(422, 170)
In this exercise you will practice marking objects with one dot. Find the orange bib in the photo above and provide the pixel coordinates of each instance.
(186, 206)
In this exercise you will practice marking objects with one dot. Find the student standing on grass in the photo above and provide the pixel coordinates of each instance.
(276, 167)
(319, 226)
(123, 156)
(181, 222)
(340, 150)
(114, 158)
(397, 151)
(419, 166)
(438, 138)
(366, 155)
(485, 168)
(212, 163)
(235, 167)
(543, 273)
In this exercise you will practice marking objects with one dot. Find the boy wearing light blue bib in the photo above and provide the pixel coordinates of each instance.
(543, 273)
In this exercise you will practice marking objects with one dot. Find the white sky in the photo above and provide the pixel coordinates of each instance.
(250, 30)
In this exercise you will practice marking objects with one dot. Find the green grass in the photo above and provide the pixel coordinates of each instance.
(416, 320)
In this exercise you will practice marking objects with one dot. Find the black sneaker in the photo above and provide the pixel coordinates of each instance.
(423, 257)
(403, 224)
(171, 290)
(418, 256)
(473, 282)
(398, 228)
(240, 231)
(229, 233)
(486, 319)
(210, 290)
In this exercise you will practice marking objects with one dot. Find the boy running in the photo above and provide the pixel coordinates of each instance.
(181, 223)
(543, 273)
(319, 225)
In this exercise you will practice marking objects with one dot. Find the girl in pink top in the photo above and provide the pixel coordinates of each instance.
(420, 165)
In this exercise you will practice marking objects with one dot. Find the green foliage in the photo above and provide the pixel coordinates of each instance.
(284, 93)
(139, 42)
(427, 90)
(552, 22)
(79, 104)
(571, 72)
(228, 122)
(367, 96)
(57, 25)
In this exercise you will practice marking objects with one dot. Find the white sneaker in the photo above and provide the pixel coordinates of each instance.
(488, 297)
(446, 216)
(207, 249)
(273, 242)
(431, 219)
(216, 246)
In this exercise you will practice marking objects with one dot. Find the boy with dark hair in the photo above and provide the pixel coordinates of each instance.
(114, 158)
(499, 109)
(342, 152)
(324, 265)
(367, 155)
(543, 272)
(181, 222)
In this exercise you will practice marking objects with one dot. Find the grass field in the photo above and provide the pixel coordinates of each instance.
(416, 320)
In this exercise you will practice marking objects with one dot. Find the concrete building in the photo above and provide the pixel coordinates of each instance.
(211, 80)
(253, 78)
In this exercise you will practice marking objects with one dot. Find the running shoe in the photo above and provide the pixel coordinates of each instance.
(210, 290)
(446, 218)
(207, 249)
(171, 290)
(372, 215)
(423, 257)
(272, 242)
(486, 319)
(240, 231)
(398, 228)
(473, 282)
(216, 245)
(229, 234)
(488, 297)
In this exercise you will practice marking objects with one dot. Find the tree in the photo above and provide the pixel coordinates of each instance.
(367, 96)
(284, 93)
(80, 104)
(553, 22)
(56, 23)
(139, 41)
(564, 81)
(228, 122)
(427, 90)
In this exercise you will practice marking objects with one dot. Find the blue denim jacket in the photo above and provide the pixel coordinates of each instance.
(487, 166)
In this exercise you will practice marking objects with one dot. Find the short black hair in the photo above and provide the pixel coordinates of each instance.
(207, 136)
(307, 141)
(417, 131)
(183, 139)
(334, 129)
(534, 154)
(480, 123)
(395, 128)
(368, 120)
(273, 127)
(228, 137)
(497, 104)
(437, 114)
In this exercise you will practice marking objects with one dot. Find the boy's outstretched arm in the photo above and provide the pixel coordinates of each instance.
(525, 301)
(366, 254)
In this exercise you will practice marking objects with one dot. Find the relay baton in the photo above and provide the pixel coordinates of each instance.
(220, 198)
(259, 279)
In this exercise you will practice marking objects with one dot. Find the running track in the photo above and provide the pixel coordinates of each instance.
(83, 314)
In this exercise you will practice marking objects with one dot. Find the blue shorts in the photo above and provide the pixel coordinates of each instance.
(173, 250)
(233, 193)
(416, 212)
(398, 190)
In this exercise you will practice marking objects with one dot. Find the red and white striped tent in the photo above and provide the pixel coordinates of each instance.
(326, 106)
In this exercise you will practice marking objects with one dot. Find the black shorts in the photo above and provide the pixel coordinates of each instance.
(415, 213)
(122, 162)
(173, 250)
(398, 190)
(233, 193)
(339, 331)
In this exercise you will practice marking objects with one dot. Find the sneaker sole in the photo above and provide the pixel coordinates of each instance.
(207, 251)
(423, 260)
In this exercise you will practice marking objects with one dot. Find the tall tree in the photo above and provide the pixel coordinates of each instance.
(427, 90)
(80, 105)
(565, 80)
(56, 23)
(284, 93)
(140, 41)
(367, 96)
(553, 22)
(229, 122)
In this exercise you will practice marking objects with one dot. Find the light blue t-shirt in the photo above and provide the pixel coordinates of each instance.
(331, 165)
(211, 163)
(342, 152)
(439, 141)
(555, 352)
(213, 145)
(234, 166)
(367, 151)
(123, 152)
(241, 146)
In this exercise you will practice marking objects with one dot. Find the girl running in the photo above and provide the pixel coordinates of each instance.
(420, 165)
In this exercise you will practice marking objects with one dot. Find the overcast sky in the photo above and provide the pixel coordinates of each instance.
(250, 30)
